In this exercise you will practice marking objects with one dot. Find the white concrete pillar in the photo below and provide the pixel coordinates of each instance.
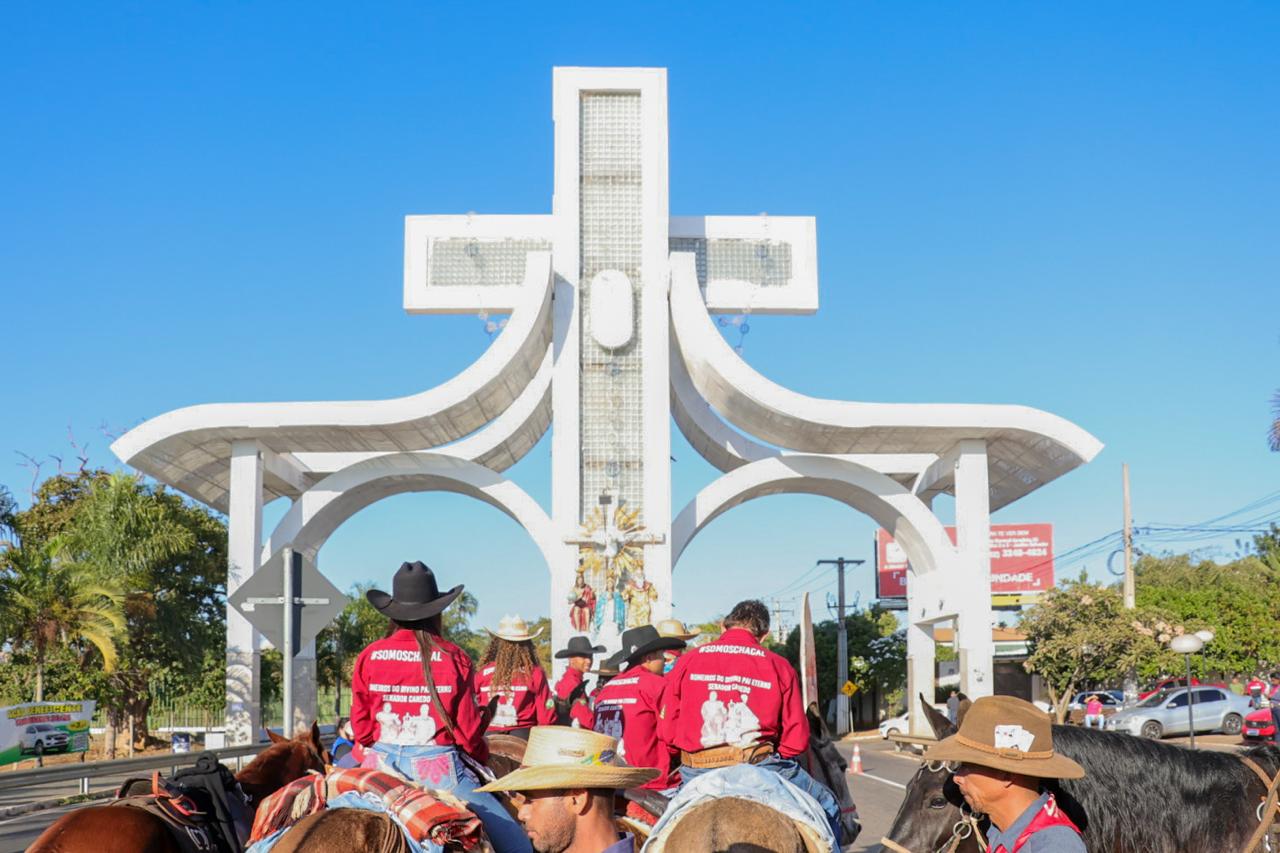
(974, 645)
(244, 538)
(920, 674)
(305, 696)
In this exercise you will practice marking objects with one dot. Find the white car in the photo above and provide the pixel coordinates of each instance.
(42, 737)
(899, 723)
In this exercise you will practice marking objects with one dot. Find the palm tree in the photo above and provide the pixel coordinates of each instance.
(48, 601)
(1274, 432)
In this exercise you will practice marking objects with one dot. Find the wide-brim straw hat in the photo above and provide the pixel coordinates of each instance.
(1006, 733)
(676, 628)
(513, 628)
(565, 757)
(414, 594)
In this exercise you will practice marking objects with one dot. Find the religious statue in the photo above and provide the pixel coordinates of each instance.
(582, 601)
(639, 595)
(611, 612)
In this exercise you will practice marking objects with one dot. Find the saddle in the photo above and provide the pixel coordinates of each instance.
(202, 806)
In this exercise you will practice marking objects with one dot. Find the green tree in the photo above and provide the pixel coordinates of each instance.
(50, 602)
(1079, 634)
(877, 652)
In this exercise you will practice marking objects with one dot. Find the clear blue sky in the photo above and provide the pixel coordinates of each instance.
(1075, 208)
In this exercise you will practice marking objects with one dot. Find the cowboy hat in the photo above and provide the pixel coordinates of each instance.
(676, 628)
(414, 594)
(1007, 733)
(514, 628)
(565, 757)
(638, 642)
(579, 647)
(609, 666)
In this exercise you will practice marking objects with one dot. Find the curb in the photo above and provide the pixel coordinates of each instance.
(41, 805)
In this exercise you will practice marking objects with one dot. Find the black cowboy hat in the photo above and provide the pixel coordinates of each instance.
(414, 594)
(579, 647)
(609, 666)
(638, 642)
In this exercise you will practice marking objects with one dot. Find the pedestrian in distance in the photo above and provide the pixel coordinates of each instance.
(413, 702)
(1273, 696)
(1093, 713)
(953, 707)
(1006, 758)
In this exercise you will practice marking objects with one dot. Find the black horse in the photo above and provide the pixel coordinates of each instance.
(1138, 795)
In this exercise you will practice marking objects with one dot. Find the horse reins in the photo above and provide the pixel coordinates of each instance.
(969, 825)
(1266, 809)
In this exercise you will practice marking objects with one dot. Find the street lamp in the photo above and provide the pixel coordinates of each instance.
(1187, 645)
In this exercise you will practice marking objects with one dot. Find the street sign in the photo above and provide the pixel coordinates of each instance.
(849, 688)
(316, 602)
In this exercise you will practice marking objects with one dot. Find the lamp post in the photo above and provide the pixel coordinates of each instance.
(1187, 645)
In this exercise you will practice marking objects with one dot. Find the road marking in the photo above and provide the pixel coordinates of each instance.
(881, 779)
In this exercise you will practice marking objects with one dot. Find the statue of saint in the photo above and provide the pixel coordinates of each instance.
(610, 612)
(639, 595)
(582, 604)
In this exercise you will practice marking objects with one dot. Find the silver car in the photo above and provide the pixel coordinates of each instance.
(1165, 713)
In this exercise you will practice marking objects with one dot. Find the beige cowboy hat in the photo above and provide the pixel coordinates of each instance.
(1006, 733)
(564, 757)
(676, 628)
(513, 628)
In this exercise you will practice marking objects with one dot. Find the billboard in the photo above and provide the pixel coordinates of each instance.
(1021, 560)
(44, 728)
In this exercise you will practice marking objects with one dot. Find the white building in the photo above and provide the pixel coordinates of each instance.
(610, 334)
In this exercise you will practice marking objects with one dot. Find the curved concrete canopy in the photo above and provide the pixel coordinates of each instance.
(892, 506)
(190, 448)
(323, 508)
(1026, 447)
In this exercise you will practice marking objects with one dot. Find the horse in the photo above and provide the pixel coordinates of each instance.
(120, 828)
(1137, 796)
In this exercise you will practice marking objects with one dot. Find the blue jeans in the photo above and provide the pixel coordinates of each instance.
(441, 768)
(788, 769)
(1275, 721)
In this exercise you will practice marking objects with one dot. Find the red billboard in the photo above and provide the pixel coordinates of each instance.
(1021, 560)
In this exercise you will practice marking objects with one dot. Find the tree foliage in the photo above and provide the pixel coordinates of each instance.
(877, 651)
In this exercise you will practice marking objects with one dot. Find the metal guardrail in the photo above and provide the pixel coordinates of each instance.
(86, 770)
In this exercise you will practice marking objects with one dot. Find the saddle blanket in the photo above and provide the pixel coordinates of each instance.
(431, 819)
(747, 782)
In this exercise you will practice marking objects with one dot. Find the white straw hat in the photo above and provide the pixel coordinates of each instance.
(513, 628)
(565, 757)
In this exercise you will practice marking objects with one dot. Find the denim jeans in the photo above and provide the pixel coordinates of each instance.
(788, 769)
(441, 768)
(1091, 720)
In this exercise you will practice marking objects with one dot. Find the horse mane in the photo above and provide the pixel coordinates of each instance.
(1170, 797)
(277, 765)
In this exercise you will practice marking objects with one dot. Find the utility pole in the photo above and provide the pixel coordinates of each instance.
(842, 645)
(779, 621)
(1130, 596)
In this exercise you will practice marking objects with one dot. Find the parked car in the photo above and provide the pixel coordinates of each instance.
(900, 725)
(1259, 726)
(40, 738)
(1111, 700)
(1216, 709)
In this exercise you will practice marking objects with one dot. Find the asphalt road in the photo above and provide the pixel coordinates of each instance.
(878, 791)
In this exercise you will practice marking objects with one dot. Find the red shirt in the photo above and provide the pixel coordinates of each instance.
(734, 691)
(1046, 816)
(579, 711)
(527, 703)
(627, 708)
(390, 701)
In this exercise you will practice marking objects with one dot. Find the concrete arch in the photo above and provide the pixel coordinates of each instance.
(319, 511)
(885, 500)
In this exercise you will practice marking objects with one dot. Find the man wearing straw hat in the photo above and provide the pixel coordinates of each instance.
(564, 788)
(571, 687)
(1005, 751)
(674, 628)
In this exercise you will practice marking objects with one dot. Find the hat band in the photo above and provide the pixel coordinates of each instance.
(1004, 752)
(603, 758)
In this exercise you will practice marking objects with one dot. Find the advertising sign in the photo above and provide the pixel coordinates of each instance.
(1021, 560)
(44, 728)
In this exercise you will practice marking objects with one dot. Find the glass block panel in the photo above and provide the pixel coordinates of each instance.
(763, 263)
(463, 261)
(612, 411)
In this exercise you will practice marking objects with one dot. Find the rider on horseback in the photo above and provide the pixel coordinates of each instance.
(511, 673)
(733, 701)
(413, 701)
(571, 688)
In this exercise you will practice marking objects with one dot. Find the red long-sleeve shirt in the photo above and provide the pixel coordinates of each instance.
(734, 691)
(527, 703)
(627, 708)
(390, 701)
(579, 711)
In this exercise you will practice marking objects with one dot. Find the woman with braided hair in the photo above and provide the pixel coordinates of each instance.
(512, 675)
(413, 702)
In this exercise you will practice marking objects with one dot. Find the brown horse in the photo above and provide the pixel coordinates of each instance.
(732, 824)
(123, 829)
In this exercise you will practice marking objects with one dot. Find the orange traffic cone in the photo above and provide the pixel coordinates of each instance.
(857, 759)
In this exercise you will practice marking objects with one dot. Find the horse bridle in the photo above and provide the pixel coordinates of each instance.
(1267, 809)
(969, 824)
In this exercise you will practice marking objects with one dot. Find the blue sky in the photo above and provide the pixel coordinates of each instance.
(1071, 208)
